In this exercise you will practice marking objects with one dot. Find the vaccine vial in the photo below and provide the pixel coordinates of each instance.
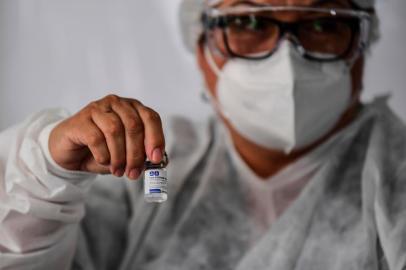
(156, 181)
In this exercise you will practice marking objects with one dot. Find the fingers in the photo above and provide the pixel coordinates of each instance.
(112, 127)
(134, 138)
(94, 138)
(90, 165)
(121, 134)
(154, 142)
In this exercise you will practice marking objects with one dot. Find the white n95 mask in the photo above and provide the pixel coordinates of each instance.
(285, 101)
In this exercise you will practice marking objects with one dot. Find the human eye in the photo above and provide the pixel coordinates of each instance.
(247, 23)
(323, 26)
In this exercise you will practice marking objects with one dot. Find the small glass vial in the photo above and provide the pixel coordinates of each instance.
(156, 181)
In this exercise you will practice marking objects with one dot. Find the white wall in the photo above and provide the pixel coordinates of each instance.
(67, 53)
(386, 66)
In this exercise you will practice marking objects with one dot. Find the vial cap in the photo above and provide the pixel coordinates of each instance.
(163, 163)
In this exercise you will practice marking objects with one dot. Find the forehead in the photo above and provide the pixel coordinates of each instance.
(339, 3)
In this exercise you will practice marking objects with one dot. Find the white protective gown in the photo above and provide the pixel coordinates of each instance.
(343, 206)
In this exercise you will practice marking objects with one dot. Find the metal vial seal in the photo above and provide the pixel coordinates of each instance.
(156, 181)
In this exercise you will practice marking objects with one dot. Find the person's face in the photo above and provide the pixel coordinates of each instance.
(211, 78)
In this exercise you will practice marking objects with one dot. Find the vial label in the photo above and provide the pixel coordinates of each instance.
(155, 181)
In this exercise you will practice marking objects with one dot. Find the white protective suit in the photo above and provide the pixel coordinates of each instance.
(351, 213)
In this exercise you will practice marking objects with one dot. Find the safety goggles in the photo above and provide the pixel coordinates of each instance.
(253, 31)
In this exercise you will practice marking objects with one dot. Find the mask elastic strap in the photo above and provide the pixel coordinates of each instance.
(354, 99)
(350, 62)
(207, 94)
(210, 60)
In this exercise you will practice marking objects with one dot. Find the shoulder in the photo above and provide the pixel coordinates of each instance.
(185, 136)
(386, 151)
(187, 143)
(390, 136)
(386, 167)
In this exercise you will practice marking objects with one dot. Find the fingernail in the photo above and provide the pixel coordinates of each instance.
(134, 173)
(119, 172)
(157, 155)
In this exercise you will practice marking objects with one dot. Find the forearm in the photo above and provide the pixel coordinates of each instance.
(41, 204)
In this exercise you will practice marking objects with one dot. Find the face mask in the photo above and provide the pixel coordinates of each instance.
(284, 102)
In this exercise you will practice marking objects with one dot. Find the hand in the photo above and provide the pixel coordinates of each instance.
(112, 135)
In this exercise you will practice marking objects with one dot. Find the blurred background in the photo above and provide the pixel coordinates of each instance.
(59, 53)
